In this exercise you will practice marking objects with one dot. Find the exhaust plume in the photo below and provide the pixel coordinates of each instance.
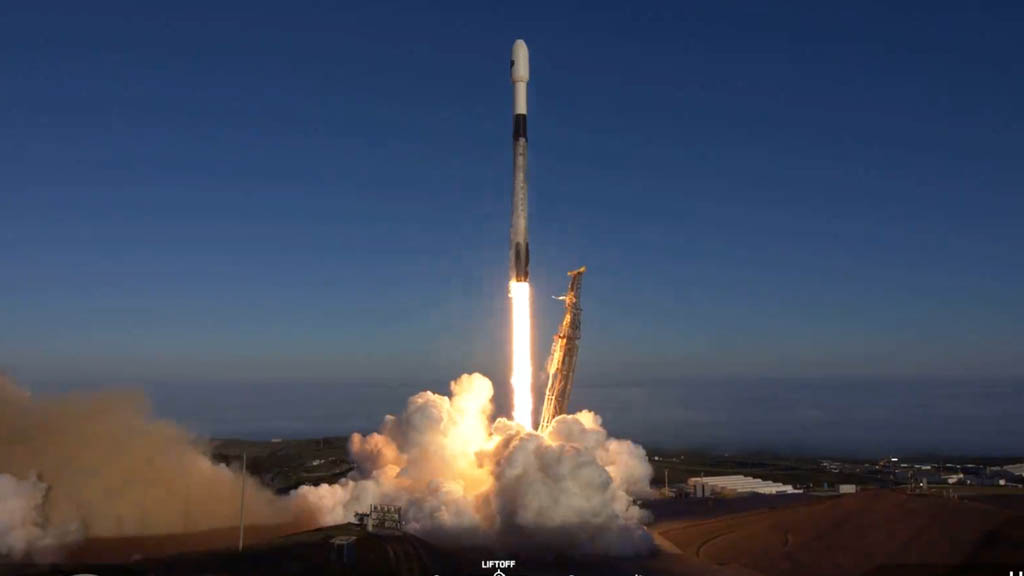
(82, 466)
(461, 478)
(522, 361)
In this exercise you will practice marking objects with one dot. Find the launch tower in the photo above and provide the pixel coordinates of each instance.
(564, 349)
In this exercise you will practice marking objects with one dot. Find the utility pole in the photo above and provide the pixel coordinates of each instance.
(241, 509)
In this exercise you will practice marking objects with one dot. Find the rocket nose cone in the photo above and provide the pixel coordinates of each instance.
(520, 62)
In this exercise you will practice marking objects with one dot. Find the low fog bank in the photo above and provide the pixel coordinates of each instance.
(835, 416)
(812, 417)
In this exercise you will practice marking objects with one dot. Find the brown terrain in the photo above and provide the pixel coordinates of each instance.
(215, 553)
(128, 548)
(850, 535)
(875, 533)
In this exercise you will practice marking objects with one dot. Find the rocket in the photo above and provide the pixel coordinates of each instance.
(519, 247)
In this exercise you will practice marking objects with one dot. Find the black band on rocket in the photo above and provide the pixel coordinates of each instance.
(519, 127)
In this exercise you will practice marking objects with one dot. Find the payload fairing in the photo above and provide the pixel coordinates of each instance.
(519, 257)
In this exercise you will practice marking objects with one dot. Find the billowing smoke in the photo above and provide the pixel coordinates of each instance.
(23, 527)
(99, 465)
(84, 466)
(461, 478)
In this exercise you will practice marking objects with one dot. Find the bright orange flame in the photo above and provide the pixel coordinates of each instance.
(522, 362)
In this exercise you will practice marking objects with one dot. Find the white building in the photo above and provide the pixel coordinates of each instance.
(1017, 469)
(709, 485)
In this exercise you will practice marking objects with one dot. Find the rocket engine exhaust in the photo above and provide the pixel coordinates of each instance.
(522, 361)
(519, 247)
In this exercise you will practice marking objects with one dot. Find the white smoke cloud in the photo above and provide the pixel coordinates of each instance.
(459, 477)
(23, 528)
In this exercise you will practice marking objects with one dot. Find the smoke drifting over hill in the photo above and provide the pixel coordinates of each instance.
(98, 465)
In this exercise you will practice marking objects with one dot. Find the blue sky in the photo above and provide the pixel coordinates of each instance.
(256, 194)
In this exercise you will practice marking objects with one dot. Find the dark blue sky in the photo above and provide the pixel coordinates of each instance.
(262, 194)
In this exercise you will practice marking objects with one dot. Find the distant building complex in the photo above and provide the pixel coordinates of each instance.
(706, 486)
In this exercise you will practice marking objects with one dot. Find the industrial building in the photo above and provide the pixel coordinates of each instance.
(1016, 469)
(705, 486)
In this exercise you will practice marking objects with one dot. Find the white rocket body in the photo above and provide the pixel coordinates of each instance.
(519, 257)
